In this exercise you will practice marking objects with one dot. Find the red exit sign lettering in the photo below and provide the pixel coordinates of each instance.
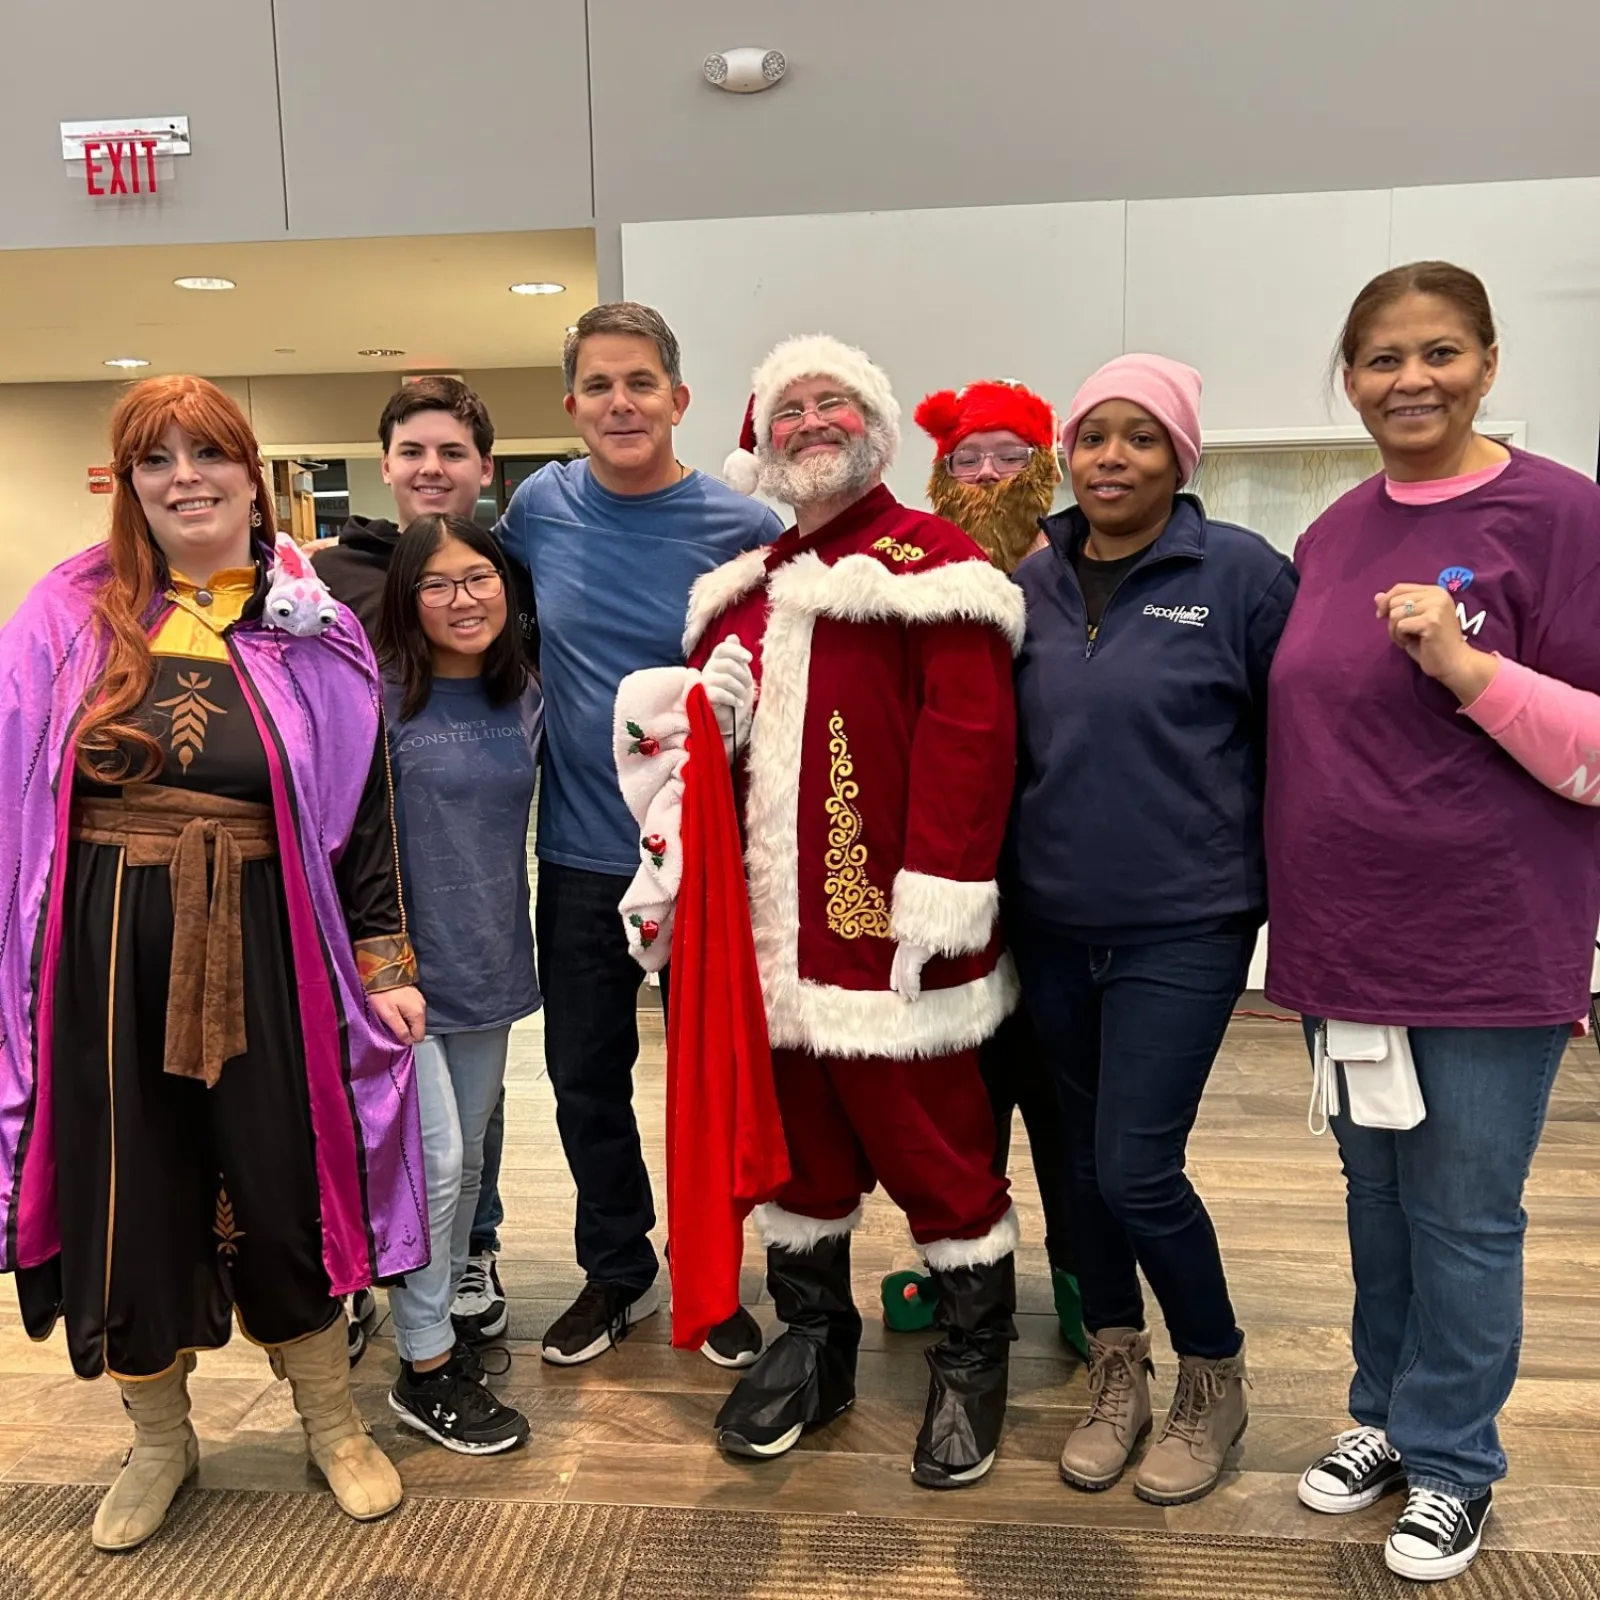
(122, 166)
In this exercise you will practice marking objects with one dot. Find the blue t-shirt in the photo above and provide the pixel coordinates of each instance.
(463, 779)
(611, 580)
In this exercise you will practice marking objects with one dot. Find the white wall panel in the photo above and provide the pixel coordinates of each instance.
(938, 298)
(1251, 289)
(1537, 247)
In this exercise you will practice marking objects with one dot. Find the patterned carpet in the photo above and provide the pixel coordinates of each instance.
(298, 1547)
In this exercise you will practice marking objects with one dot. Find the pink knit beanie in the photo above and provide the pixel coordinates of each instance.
(1167, 389)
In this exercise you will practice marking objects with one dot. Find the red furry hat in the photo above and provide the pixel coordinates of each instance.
(950, 415)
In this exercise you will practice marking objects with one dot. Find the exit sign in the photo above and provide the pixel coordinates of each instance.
(119, 155)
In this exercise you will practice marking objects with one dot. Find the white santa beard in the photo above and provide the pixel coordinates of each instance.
(830, 477)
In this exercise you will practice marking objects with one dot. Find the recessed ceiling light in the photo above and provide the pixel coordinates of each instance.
(538, 288)
(380, 351)
(126, 361)
(204, 283)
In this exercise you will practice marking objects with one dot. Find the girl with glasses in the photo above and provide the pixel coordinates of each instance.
(465, 716)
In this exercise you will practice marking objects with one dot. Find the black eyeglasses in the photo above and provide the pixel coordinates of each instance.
(436, 592)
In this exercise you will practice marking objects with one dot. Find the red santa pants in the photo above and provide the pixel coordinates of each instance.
(922, 1128)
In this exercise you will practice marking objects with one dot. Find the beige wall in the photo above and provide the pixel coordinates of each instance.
(52, 433)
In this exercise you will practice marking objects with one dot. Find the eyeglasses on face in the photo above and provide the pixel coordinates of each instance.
(436, 591)
(828, 409)
(1008, 460)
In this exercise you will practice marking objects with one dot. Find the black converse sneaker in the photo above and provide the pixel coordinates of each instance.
(1437, 1535)
(734, 1343)
(1359, 1471)
(454, 1409)
(599, 1318)
(363, 1314)
(479, 1308)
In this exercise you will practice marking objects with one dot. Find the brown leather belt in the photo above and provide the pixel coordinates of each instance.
(196, 837)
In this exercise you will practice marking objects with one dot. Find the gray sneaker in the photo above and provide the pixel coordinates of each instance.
(1097, 1450)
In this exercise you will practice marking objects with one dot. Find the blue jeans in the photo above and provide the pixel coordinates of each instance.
(1132, 1032)
(459, 1079)
(1436, 1229)
(490, 1214)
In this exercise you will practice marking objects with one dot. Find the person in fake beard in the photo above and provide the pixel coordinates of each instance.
(996, 472)
(995, 476)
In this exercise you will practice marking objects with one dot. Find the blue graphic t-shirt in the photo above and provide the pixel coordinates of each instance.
(463, 778)
(611, 579)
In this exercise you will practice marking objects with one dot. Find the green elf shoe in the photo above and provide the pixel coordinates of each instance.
(908, 1301)
(1069, 1311)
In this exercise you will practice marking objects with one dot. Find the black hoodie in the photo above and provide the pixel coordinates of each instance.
(355, 570)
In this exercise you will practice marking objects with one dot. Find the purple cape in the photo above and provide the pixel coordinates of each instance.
(316, 702)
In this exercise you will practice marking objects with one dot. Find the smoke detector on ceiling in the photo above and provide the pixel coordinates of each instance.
(745, 70)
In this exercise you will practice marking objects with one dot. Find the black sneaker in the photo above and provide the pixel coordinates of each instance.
(1437, 1535)
(363, 1312)
(479, 1308)
(734, 1343)
(454, 1409)
(1359, 1471)
(599, 1318)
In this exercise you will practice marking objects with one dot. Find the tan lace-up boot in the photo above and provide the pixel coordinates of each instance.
(1097, 1450)
(164, 1453)
(1208, 1417)
(361, 1476)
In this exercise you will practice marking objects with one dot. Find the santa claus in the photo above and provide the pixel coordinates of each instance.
(860, 670)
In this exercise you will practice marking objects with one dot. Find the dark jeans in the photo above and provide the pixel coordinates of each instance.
(1436, 1229)
(1132, 1032)
(1016, 1072)
(490, 1214)
(591, 1040)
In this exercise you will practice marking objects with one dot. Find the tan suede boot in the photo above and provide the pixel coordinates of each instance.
(165, 1452)
(361, 1476)
(1208, 1417)
(1097, 1450)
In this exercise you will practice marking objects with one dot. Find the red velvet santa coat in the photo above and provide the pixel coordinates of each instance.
(878, 775)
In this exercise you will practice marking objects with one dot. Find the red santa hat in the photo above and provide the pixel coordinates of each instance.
(949, 415)
(811, 355)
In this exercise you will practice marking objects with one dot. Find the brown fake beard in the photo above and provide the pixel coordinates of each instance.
(1002, 519)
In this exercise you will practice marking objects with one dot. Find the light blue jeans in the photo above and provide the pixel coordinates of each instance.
(1436, 1229)
(459, 1078)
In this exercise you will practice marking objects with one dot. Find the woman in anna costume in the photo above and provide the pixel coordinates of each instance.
(206, 988)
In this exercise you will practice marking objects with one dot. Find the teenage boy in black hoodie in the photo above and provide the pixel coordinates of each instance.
(437, 442)
(437, 438)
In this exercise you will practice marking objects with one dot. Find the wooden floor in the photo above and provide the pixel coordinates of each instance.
(634, 1427)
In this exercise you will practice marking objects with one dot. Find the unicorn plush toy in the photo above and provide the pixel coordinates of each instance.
(298, 601)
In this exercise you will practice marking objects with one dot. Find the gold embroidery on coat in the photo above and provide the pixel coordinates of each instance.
(190, 712)
(223, 1227)
(856, 906)
(900, 552)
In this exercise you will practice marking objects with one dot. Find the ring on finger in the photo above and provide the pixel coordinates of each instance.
(1411, 608)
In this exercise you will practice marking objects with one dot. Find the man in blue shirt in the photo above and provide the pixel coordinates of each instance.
(613, 543)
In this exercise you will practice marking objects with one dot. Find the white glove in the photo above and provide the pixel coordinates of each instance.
(905, 977)
(731, 688)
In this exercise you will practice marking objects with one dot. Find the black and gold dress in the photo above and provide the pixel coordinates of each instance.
(187, 1181)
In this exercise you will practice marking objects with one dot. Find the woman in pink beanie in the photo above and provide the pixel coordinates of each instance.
(1138, 889)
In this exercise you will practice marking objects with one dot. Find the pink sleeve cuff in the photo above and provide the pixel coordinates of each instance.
(1505, 699)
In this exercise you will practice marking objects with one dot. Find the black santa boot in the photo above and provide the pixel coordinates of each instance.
(968, 1367)
(807, 1375)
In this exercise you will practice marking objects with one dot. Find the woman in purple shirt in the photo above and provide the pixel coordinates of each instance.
(1431, 876)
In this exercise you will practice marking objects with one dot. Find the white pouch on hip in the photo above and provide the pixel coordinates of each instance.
(1379, 1074)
